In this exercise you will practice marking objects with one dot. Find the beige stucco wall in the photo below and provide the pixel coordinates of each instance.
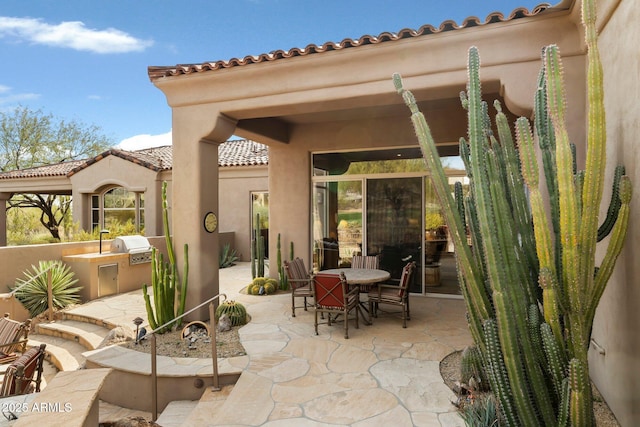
(617, 372)
(235, 186)
(15, 260)
(115, 171)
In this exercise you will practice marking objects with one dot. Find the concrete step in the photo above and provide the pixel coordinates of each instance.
(89, 335)
(208, 406)
(176, 412)
(64, 354)
(110, 413)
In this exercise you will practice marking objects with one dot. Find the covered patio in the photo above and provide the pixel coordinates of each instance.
(339, 97)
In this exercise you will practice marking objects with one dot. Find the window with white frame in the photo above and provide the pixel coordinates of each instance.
(117, 206)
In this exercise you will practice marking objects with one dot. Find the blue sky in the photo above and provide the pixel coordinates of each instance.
(87, 60)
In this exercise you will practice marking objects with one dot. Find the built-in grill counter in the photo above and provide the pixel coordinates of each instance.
(126, 267)
(137, 247)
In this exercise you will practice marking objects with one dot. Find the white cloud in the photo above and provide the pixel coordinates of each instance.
(7, 98)
(139, 142)
(71, 34)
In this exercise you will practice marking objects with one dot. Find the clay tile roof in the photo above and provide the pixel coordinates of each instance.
(157, 72)
(232, 153)
(57, 169)
(243, 153)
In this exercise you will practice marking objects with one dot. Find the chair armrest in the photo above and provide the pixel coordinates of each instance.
(9, 344)
(298, 283)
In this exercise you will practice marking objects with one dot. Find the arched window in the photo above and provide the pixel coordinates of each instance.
(117, 206)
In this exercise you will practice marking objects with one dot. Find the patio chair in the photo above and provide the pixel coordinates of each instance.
(19, 376)
(333, 296)
(367, 261)
(300, 280)
(394, 295)
(13, 338)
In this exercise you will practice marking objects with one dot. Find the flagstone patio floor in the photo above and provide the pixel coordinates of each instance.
(382, 375)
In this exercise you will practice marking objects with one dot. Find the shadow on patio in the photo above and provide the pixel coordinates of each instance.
(382, 375)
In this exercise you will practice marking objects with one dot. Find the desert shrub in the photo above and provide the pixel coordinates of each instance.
(228, 256)
(32, 290)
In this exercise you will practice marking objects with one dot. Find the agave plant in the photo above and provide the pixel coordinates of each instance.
(228, 256)
(32, 290)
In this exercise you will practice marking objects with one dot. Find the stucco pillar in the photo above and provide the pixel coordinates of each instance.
(194, 193)
(4, 198)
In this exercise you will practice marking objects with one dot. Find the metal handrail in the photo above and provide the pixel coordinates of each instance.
(214, 352)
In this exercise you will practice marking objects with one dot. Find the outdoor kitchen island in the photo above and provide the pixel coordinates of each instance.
(126, 267)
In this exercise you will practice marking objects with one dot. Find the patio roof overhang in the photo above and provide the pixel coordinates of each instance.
(267, 99)
(40, 185)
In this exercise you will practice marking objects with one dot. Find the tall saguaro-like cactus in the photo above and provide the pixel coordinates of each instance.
(529, 278)
(165, 279)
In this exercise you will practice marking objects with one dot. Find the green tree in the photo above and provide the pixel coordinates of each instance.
(32, 138)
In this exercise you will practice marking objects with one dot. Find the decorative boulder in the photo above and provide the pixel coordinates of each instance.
(224, 323)
(118, 335)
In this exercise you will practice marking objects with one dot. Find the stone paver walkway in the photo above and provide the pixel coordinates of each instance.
(382, 375)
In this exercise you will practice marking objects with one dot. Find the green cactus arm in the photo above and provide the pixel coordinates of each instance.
(147, 302)
(508, 335)
(459, 197)
(158, 297)
(546, 139)
(614, 205)
(253, 258)
(529, 165)
(569, 213)
(596, 144)
(556, 363)
(552, 304)
(616, 243)
(498, 377)
(165, 224)
(581, 406)
(534, 321)
(563, 413)
(441, 185)
(184, 285)
(515, 184)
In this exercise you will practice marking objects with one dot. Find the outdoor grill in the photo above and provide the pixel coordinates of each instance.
(137, 247)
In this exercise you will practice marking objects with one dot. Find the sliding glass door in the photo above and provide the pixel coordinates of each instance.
(382, 203)
(394, 224)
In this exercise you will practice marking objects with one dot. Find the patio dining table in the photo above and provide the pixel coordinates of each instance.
(365, 279)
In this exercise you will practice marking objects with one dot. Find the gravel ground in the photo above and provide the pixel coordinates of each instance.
(172, 344)
(450, 371)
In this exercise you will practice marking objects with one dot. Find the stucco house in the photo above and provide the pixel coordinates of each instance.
(137, 176)
(320, 109)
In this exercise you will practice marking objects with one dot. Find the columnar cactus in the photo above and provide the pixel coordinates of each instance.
(257, 251)
(282, 275)
(530, 282)
(164, 279)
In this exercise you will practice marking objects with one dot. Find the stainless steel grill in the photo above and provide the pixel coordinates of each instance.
(137, 247)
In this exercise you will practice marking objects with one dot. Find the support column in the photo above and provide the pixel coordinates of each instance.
(195, 193)
(4, 198)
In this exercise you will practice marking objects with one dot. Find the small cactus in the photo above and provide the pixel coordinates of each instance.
(262, 286)
(236, 311)
(472, 369)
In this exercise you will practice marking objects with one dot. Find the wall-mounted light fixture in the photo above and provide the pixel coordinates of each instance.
(101, 233)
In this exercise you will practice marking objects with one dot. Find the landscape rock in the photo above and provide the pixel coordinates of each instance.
(131, 422)
(224, 323)
(118, 335)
